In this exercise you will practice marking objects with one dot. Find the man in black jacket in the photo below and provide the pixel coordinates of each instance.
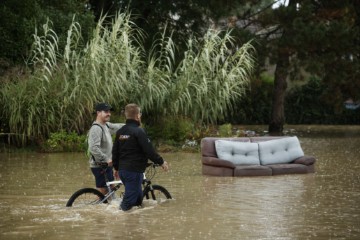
(130, 153)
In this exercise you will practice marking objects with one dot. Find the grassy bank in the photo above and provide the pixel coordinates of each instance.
(173, 135)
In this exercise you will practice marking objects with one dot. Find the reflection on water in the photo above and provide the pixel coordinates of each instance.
(34, 189)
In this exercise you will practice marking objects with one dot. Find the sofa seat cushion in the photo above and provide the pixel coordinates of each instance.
(216, 162)
(217, 171)
(305, 160)
(239, 153)
(290, 168)
(284, 150)
(311, 168)
(252, 170)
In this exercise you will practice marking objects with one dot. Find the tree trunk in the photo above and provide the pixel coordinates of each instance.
(277, 120)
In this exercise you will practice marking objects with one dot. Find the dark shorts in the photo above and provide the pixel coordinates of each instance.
(99, 174)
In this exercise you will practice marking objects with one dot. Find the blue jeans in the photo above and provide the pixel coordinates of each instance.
(133, 189)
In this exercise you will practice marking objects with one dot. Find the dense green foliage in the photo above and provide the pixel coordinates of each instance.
(180, 18)
(307, 105)
(301, 38)
(225, 130)
(255, 108)
(172, 65)
(20, 24)
(64, 142)
(66, 83)
(19, 19)
(176, 129)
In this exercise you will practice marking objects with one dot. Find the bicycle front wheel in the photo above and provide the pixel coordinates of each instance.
(85, 196)
(157, 193)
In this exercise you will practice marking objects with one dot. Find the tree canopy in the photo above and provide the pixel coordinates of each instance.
(302, 38)
(20, 19)
(294, 41)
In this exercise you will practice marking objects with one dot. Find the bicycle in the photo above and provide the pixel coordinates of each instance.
(92, 196)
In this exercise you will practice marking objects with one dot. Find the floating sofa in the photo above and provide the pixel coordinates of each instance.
(254, 156)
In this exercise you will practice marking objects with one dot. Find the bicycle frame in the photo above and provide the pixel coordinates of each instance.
(113, 186)
(150, 191)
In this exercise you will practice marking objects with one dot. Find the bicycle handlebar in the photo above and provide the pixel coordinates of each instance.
(102, 164)
(149, 164)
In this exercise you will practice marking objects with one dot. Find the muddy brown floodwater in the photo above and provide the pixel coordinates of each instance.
(35, 187)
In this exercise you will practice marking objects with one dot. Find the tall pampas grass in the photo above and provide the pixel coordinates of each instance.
(114, 67)
(211, 76)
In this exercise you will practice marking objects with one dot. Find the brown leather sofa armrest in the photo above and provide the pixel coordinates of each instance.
(305, 160)
(216, 162)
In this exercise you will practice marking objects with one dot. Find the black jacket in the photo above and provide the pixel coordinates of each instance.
(132, 148)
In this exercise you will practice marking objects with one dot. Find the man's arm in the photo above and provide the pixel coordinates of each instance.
(114, 127)
(94, 140)
(147, 147)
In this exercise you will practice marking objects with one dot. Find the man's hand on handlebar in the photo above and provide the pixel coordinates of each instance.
(110, 163)
(105, 164)
(116, 175)
(165, 166)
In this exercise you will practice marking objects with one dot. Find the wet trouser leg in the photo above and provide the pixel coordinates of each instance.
(133, 189)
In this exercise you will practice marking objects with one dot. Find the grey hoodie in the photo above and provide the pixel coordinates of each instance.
(100, 142)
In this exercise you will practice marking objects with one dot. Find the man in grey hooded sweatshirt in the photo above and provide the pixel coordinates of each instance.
(100, 145)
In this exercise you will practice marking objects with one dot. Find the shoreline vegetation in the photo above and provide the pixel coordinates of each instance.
(57, 94)
(189, 141)
(47, 106)
(170, 136)
(175, 137)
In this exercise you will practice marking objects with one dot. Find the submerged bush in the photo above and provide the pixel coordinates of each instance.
(225, 130)
(64, 142)
(172, 130)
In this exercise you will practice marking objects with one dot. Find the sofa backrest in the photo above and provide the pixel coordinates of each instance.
(208, 145)
(239, 153)
(279, 151)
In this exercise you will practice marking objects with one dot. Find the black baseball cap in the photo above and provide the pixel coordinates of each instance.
(103, 107)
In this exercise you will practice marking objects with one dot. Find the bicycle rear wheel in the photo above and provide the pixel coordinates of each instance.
(85, 196)
(158, 193)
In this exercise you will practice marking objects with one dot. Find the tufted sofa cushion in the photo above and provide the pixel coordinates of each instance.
(278, 151)
(239, 153)
(208, 145)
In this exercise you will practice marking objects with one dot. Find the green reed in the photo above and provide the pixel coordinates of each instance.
(114, 67)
